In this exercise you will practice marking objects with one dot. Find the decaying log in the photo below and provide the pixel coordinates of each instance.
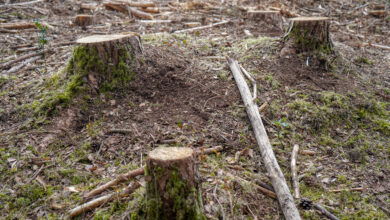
(121, 178)
(84, 20)
(295, 182)
(116, 6)
(310, 34)
(172, 177)
(99, 201)
(110, 61)
(282, 191)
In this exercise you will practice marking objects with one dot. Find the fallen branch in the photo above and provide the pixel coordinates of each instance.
(97, 202)
(242, 181)
(295, 183)
(137, 172)
(20, 3)
(151, 10)
(119, 179)
(286, 201)
(140, 14)
(9, 63)
(325, 212)
(137, 4)
(17, 25)
(202, 27)
(248, 75)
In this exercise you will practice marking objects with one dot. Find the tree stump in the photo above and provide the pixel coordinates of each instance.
(310, 34)
(172, 190)
(83, 20)
(106, 61)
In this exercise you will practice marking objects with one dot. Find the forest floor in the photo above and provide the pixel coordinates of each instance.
(185, 95)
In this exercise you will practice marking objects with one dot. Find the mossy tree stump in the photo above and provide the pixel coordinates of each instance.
(310, 34)
(172, 190)
(106, 61)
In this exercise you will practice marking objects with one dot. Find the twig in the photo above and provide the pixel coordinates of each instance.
(9, 63)
(209, 150)
(325, 212)
(263, 106)
(216, 198)
(96, 202)
(201, 27)
(295, 183)
(119, 179)
(20, 3)
(248, 75)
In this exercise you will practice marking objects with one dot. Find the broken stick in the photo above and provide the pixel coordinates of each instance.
(119, 179)
(96, 202)
(295, 183)
(202, 27)
(285, 199)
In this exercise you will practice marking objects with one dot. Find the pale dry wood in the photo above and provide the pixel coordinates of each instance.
(17, 25)
(88, 6)
(140, 14)
(20, 3)
(9, 63)
(99, 201)
(137, 4)
(202, 27)
(295, 183)
(285, 198)
(151, 10)
(263, 106)
(307, 152)
(121, 178)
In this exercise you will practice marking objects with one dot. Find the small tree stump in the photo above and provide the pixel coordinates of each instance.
(83, 20)
(105, 61)
(310, 34)
(172, 190)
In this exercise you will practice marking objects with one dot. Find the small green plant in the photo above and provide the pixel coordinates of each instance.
(42, 38)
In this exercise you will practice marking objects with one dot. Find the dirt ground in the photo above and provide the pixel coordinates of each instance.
(185, 95)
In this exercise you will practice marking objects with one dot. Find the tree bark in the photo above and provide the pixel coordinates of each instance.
(310, 34)
(84, 20)
(282, 191)
(172, 189)
(106, 61)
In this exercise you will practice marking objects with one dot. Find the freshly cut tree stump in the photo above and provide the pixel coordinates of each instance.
(172, 190)
(310, 34)
(105, 61)
(83, 20)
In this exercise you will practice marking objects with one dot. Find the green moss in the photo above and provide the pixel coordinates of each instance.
(186, 203)
(362, 60)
